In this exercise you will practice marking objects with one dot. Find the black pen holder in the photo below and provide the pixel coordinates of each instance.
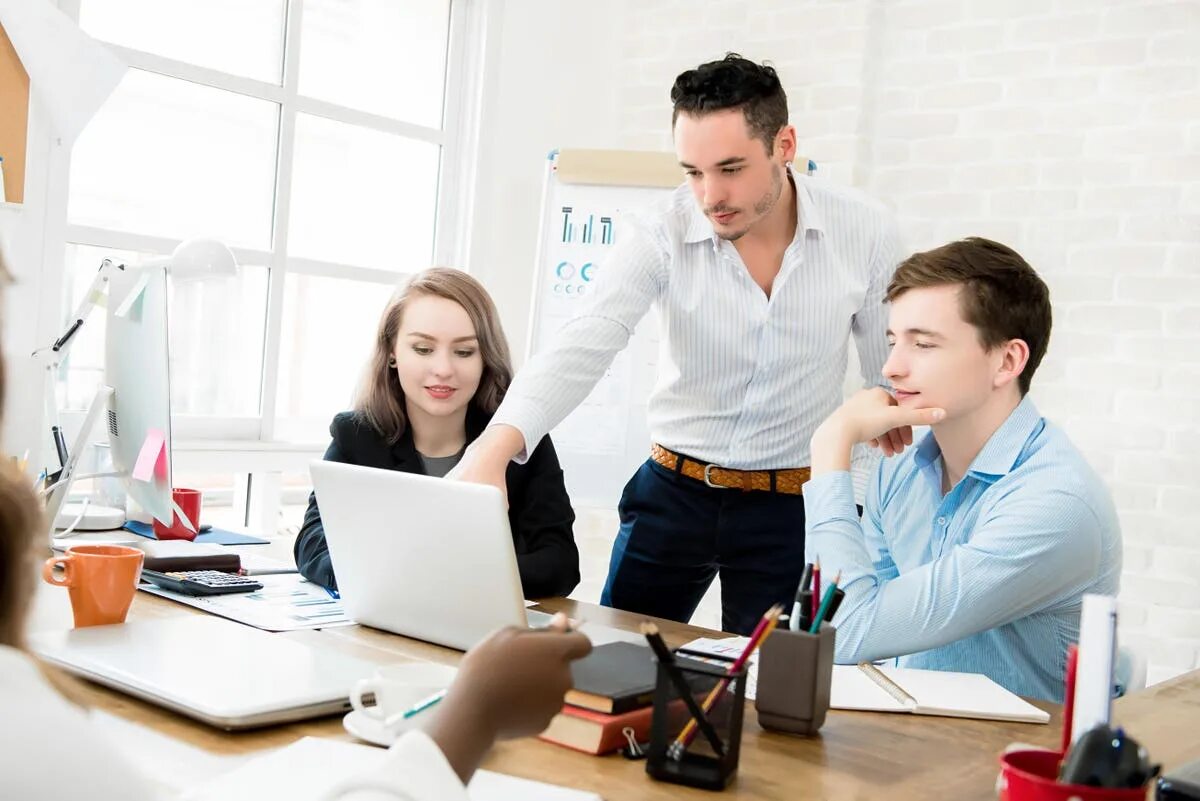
(795, 671)
(707, 757)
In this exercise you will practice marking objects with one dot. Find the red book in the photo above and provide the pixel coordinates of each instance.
(596, 732)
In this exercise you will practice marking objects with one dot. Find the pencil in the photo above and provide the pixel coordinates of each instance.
(819, 617)
(667, 660)
(765, 626)
(816, 588)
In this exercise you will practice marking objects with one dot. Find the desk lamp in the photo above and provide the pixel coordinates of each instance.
(192, 259)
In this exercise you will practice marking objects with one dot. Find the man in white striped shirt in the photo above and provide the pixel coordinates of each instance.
(759, 276)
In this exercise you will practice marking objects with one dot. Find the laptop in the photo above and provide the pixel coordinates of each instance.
(219, 672)
(421, 556)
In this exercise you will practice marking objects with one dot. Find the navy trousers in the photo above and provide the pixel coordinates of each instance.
(677, 534)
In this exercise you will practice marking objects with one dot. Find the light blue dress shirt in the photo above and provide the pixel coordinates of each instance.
(986, 579)
(743, 379)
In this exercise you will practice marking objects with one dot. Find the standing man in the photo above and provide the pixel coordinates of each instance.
(760, 275)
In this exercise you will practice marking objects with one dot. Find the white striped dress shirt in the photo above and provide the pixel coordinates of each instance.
(743, 379)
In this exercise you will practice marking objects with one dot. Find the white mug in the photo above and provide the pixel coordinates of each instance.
(398, 688)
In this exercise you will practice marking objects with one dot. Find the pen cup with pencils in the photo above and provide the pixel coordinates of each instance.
(795, 671)
(697, 750)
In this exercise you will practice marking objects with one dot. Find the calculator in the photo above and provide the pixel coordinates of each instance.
(201, 582)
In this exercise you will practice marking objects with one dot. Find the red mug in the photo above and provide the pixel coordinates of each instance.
(187, 500)
(1032, 775)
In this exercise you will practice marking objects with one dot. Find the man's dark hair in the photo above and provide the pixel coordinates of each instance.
(734, 82)
(1001, 295)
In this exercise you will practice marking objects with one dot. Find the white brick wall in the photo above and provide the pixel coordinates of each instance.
(1069, 129)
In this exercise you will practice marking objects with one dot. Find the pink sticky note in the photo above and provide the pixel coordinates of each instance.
(152, 459)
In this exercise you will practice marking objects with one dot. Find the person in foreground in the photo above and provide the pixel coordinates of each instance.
(976, 545)
(439, 370)
(510, 685)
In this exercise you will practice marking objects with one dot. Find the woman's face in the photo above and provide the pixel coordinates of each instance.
(437, 357)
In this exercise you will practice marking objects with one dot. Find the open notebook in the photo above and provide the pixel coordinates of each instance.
(874, 688)
(309, 768)
(927, 692)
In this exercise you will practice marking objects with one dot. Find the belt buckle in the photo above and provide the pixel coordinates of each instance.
(708, 481)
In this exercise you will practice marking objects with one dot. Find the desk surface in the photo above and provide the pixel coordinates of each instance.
(856, 755)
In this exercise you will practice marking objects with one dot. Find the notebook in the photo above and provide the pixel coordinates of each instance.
(874, 688)
(927, 692)
(613, 678)
(309, 768)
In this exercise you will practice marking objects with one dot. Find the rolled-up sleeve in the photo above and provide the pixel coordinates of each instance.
(557, 380)
(1027, 552)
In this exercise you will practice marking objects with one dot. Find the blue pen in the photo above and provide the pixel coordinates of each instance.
(334, 594)
(422, 705)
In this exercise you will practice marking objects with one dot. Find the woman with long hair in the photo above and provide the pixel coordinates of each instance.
(439, 370)
(510, 685)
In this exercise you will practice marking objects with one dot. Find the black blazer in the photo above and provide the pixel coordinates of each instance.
(539, 511)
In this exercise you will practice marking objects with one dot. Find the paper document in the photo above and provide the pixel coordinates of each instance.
(1097, 658)
(309, 768)
(285, 603)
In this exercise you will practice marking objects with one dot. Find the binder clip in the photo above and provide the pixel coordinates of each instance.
(633, 749)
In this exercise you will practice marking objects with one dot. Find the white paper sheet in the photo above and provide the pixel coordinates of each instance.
(285, 603)
(311, 767)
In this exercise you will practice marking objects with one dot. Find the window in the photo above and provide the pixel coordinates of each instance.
(318, 139)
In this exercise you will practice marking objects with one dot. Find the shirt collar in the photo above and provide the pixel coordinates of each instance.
(808, 215)
(1000, 453)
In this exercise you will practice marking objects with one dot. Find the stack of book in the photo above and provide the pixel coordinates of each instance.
(613, 690)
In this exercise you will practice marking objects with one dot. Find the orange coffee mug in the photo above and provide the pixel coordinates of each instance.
(101, 580)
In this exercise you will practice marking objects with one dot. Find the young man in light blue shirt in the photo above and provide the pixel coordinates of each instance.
(977, 544)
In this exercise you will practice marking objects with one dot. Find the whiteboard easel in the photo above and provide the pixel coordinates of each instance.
(585, 194)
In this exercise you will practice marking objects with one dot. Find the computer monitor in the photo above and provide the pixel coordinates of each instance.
(137, 368)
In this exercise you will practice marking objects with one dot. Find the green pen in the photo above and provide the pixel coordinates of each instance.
(824, 607)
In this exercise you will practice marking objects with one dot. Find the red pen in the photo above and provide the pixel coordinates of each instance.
(1069, 698)
(816, 589)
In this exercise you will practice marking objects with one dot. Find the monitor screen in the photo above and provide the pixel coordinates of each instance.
(137, 369)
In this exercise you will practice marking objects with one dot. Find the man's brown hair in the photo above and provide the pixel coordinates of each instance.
(1002, 296)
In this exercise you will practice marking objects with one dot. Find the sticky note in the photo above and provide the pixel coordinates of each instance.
(152, 458)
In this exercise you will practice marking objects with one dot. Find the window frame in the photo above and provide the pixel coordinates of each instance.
(249, 444)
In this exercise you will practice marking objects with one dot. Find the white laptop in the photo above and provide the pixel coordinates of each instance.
(222, 673)
(421, 556)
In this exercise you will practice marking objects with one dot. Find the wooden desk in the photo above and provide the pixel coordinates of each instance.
(857, 755)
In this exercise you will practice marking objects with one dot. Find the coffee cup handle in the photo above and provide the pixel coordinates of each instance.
(48, 571)
(361, 688)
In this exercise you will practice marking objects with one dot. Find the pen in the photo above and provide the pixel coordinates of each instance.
(60, 445)
(334, 594)
(424, 703)
(797, 609)
(825, 602)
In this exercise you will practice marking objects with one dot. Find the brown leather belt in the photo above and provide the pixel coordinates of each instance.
(788, 482)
